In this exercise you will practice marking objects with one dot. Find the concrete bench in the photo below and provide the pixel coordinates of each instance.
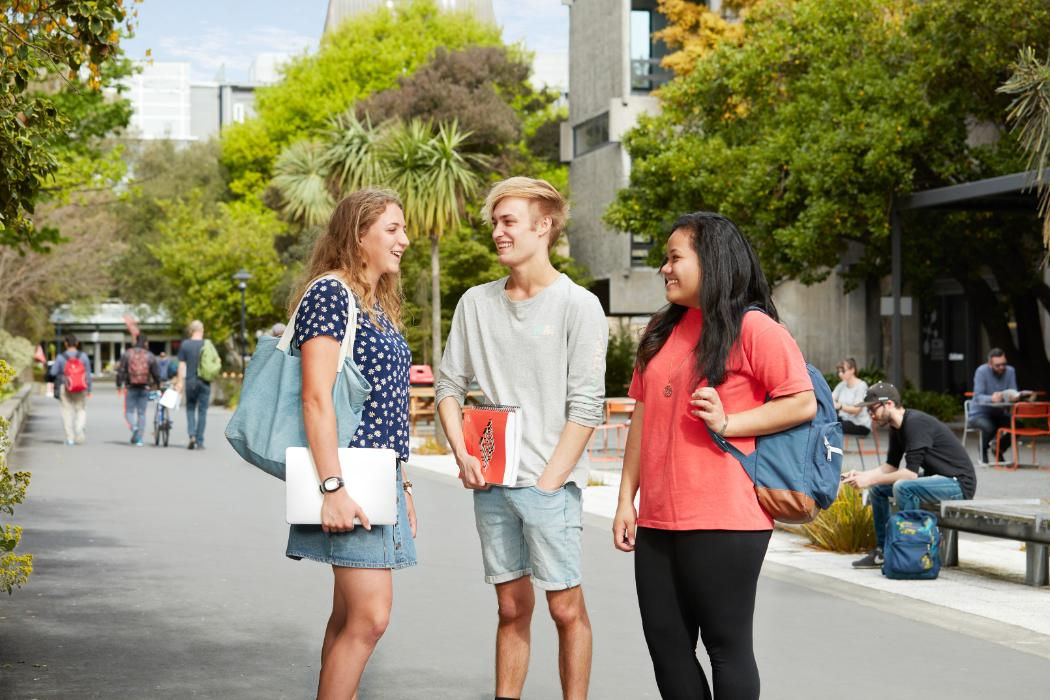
(1024, 519)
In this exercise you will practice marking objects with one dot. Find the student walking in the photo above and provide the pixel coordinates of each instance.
(535, 340)
(137, 372)
(190, 383)
(71, 373)
(706, 362)
(362, 247)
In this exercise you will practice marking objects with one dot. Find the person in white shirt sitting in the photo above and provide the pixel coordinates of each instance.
(847, 395)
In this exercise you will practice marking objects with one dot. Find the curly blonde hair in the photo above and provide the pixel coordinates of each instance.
(338, 252)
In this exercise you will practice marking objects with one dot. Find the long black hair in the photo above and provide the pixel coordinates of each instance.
(731, 281)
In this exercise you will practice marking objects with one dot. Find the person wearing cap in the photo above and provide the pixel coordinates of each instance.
(927, 445)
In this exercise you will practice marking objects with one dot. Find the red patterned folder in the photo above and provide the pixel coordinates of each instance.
(493, 435)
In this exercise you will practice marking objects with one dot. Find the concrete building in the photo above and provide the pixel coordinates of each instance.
(166, 104)
(160, 99)
(613, 68)
(339, 10)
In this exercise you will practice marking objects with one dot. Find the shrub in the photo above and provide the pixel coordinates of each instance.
(943, 407)
(15, 351)
(619, 361)
(846, 526)
(14, 568)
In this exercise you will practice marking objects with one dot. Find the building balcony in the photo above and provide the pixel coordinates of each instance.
(647, 75)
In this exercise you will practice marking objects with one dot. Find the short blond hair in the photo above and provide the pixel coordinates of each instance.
(539, 192)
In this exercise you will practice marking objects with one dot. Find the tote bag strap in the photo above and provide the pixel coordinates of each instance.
(351, 322)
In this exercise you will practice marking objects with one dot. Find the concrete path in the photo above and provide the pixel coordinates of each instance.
(160, 574)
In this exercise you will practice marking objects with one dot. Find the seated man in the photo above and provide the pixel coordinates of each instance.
(926, 444)
(995, 382)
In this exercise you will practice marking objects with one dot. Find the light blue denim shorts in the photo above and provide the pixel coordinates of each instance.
(528, 532)
(382, 547)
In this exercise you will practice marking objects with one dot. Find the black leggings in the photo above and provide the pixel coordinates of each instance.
(700, 583)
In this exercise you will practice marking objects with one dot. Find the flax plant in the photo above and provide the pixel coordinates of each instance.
(846, 526)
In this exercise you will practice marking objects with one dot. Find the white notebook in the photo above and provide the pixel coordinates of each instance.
(369, 475)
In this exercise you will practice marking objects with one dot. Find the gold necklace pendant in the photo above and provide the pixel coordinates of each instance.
(668, 391)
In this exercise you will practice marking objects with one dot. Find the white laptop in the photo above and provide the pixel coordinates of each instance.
(369, 475)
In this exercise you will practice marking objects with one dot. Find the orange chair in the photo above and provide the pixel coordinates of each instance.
(618, 430)
(1025, 410)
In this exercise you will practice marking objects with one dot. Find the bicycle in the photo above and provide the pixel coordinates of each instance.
(162, 419)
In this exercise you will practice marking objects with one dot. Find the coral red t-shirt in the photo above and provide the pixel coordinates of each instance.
(685, 481)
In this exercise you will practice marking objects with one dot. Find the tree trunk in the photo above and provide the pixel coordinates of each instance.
(435, 327)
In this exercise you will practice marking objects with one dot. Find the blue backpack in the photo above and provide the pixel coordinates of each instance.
(913, 546)
(796, 471)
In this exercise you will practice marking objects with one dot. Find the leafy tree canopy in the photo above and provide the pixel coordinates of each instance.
(483, 88)
(693, 30)
(804, 131)
(364, 55)
(199, 249)
(44, 42)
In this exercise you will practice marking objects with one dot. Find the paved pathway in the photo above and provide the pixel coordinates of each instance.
(160, 574)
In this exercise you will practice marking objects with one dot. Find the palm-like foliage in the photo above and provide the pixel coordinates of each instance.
(427, 168)
(301, 176)
(1029, 113)
(352, 154)
(434, 178)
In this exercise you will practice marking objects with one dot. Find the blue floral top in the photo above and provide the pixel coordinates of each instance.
(381, 354)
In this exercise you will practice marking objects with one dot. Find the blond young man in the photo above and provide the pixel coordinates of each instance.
(536, 340)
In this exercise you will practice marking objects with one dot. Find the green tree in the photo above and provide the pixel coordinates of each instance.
(363, 55)
(43, 42)
(74, 206)
(163, 175)
(199, 249)
(803, 136)
(484, 89)
(436, 179)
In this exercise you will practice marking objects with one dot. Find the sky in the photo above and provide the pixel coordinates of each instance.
(226, 35)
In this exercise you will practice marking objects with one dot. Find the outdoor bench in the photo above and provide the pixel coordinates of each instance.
(1024, 519)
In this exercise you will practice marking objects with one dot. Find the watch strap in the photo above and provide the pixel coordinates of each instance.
(339, 484)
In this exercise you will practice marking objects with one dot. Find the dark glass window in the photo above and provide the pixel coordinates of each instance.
(590, 134)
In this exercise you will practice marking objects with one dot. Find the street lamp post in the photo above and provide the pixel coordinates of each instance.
(242, 276)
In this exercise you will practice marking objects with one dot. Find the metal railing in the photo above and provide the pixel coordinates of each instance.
(647, 74)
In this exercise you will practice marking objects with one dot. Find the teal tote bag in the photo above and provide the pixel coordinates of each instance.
(269, 416)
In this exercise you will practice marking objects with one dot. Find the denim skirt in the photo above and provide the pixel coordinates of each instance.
(384, 547)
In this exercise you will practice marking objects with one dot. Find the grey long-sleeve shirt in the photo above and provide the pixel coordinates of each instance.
(545, 354)
(985, 383)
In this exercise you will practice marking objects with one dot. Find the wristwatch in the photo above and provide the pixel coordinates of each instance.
(332, 483)
(407, 486)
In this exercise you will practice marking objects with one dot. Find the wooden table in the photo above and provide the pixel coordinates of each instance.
(421, 403)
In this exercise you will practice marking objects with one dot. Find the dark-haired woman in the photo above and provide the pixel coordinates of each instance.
(705, 363)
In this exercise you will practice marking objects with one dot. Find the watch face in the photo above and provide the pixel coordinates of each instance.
(331, 483)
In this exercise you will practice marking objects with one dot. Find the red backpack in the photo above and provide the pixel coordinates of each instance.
(75, 374)
(138, 367)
